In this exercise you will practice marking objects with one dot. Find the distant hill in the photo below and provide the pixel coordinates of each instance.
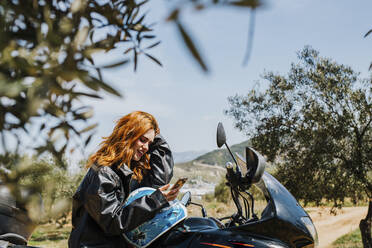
(221, 156)
(207, 170)
(182, 157)
(202, 172)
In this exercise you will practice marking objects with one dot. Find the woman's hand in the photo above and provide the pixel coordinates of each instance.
(171, 195)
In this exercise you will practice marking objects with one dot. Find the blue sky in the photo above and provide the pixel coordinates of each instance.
(188, 104)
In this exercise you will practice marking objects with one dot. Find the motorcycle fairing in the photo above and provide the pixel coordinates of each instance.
(227, 239)
(279, 226)
(281, 218)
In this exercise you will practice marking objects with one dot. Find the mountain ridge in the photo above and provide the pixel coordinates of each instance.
(182, 157)
(222, 156)
(207, 170)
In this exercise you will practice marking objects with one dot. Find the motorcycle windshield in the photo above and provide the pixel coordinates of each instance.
(282, 218)
(281, 203)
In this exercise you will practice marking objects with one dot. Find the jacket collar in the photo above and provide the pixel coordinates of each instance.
(124, 170)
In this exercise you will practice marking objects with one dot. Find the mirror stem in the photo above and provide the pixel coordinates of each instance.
(204, 213)
(228, 148)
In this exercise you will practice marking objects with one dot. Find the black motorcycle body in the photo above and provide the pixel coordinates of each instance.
(283, 223)
(16, 227)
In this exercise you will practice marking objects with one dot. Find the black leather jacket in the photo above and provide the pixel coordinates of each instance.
(98, 218)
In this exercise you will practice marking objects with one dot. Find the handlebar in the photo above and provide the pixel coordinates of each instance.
(239, 184)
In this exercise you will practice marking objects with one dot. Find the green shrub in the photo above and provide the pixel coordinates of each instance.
(51, 188)
(222, 192)
(208, 197)
(350, 240)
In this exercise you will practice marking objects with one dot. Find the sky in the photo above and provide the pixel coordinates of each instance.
(188, 103)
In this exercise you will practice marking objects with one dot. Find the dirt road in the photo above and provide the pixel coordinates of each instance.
(330, 227)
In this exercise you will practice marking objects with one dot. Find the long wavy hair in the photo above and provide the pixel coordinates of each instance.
(117, 149)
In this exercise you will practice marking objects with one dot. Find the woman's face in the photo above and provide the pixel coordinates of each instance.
(141, 145)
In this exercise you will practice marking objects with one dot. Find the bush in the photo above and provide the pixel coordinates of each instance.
(208, 197)
(350, 240)
(57, 196)
(49, 188)
(222, 192)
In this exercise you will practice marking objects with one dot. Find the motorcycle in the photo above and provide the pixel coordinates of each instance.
(16, 226)
(283, 222)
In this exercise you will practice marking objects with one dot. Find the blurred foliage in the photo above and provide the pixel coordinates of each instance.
(48, 66)
(57, 196)
(23, 177)
(47, 63)
(41, 187)
(181, 6)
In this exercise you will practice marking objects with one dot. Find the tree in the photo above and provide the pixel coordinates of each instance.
(41, 179)
(46, 67)
(315, 125)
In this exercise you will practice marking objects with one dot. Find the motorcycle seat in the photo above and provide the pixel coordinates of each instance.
(193, 224)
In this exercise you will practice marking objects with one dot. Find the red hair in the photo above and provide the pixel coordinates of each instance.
(116, 149)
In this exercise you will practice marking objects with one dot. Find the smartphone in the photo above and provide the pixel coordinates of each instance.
(180, 182)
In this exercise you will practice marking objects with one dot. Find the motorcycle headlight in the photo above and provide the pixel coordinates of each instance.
(311, 228)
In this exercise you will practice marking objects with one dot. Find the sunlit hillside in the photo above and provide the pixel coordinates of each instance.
(221, 156)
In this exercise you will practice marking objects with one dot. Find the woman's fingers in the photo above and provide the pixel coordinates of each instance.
(171, 195)
(164, 188)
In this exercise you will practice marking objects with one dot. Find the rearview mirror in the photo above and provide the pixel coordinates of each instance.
(256, 164)
(253, 166)
(186, 198)
(221, 136)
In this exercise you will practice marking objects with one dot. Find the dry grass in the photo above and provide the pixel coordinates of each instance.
(219, 209)
(206, 173)
(48, 235)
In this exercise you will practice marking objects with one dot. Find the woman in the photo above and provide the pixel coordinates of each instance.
(134, 155)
